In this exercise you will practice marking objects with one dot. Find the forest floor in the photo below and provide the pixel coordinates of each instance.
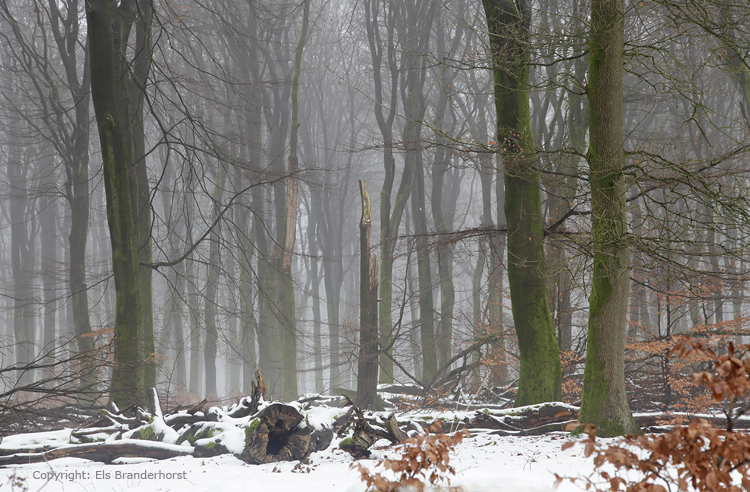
(483, 462)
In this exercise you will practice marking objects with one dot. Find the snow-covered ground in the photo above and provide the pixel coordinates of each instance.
(483, 463)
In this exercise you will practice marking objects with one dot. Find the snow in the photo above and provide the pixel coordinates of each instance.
(36, 439)
(320, 418)
(483, 463)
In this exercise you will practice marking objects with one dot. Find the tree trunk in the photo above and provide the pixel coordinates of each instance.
(141, 66)
(540, 374)
(424, 275)
(604, 402)
(78, 198)
(269, 341)
(212, 287)
(286, 283)
(277, 116)
(444, 197)
(495, 307)
(22, 220)
(315, 287)
(172, 346)
(390, 220)
(194, 328)
(414, 32)
(367, 365)
(48, 220)
(246, 254)
(109, 32)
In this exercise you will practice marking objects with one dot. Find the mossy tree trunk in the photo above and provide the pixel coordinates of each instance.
(109, 28)
(540, 374)
(141, 65)
(604, 401)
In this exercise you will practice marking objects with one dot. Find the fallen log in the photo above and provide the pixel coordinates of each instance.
(275, 435)
(537, 431)
(104, 452)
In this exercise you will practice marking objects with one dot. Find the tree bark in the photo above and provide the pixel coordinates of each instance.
(286, 282)
(48, 217)
(604, 402)
(109, 31)
(540, 376)
(367, 365)
(141, 65)
(22, 221)
(212, 288)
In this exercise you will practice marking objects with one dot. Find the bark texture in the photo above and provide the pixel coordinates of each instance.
(540, 374)
(604, 400)
(108, 31)
(367, 364)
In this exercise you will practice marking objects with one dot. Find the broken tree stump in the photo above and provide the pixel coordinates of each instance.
(275, 435)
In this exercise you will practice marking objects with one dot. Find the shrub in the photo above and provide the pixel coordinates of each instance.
(699, 455)
(424, 459)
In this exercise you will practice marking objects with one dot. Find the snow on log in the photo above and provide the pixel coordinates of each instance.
(105, 452)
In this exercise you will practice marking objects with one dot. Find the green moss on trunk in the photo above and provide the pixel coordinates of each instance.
(604, 401)
(540, 372)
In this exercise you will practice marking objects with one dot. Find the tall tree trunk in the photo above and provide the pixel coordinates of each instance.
(141, 65)
(495, 306)
(172, 346)
(604, 402)
(77, 194)
(22, 218)
(424, 274)
(286, 283)
(485, 177)
(247, 232)
(390, 220)
(269, 341)
(212, 287)
(540, 376)
(109, 30)
(48, 220)
(317, 340)
(277, 116)
(246, 255)
(444, 197)
(367, 365)
(414, 31)
(193, 300)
